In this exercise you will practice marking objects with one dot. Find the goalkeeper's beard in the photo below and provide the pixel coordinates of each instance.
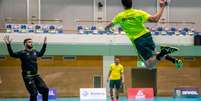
(29, 46)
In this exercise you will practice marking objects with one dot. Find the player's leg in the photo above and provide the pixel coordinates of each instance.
(42, 88)
(166, 50)
(111, 85)
(117, 90)
(31, 87)
(163, 54)
(146, 50)
(175, 61)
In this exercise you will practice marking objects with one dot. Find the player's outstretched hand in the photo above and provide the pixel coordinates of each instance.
(163, 3)
(7, 39)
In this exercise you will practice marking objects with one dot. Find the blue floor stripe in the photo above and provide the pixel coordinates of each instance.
(121, 99)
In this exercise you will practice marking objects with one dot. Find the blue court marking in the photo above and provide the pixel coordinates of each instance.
(120, 99)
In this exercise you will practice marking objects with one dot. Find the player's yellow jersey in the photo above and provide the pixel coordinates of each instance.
(116, 71)
(132, 22)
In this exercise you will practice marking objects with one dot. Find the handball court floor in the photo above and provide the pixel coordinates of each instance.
(121, 99)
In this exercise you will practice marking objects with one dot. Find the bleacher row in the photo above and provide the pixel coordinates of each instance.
(173, 31)
(93, 29)
(154, 30)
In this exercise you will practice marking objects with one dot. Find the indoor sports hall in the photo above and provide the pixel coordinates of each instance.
(100, 50)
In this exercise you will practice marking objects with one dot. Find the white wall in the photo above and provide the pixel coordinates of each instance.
(13, 8)
(186, 10)
(97, 39)
(69, 10)
(33, 10)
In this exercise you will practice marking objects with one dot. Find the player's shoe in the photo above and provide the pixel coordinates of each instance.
(168, 50)
(179, 64)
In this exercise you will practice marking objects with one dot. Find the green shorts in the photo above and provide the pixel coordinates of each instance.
(145, 46)
(115, 84)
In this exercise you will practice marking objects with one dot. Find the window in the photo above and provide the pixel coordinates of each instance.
(69, 57)
(47, 57)
(97, 81)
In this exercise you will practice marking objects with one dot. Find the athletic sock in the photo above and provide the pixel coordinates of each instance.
(170, 58)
